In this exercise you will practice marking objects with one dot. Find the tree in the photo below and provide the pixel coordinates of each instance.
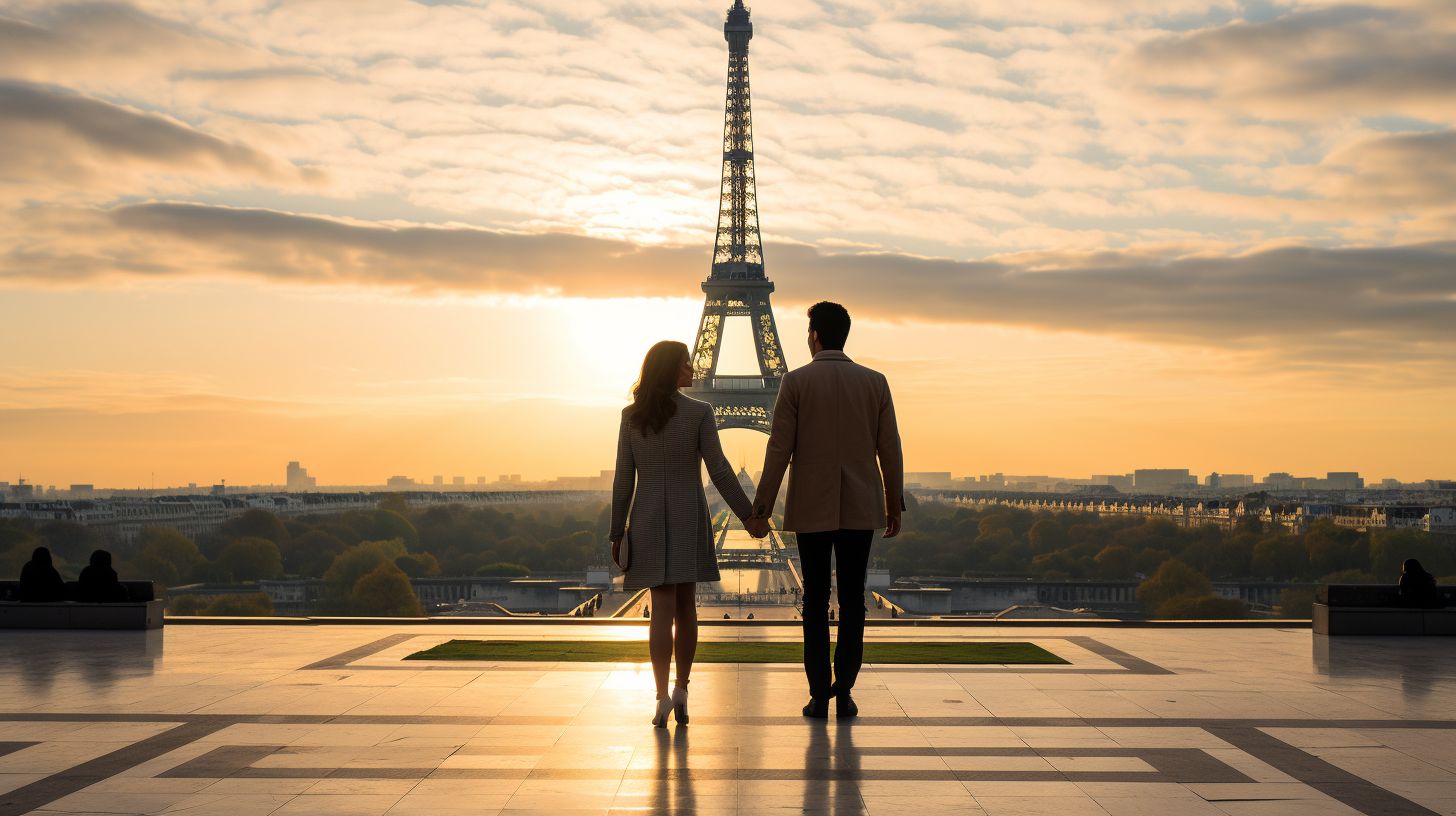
(418, 565)
(212, 572)
(1331, 548)
(255, 523)
(1046, 535)
(501, 569)
(71, 541)
(355, 563)
(394, 502)
(1114, 562)
(1191, 606)
(1280, 558)
(385, 591)
(185, 605)
(309, 554)
(249, 559)
(250, 604)
(361, 559)
(1349, 576)
(247, 605)
(1296, 603)
(166, 556)
(386, 523)
(1172, 579)
(1390, 548)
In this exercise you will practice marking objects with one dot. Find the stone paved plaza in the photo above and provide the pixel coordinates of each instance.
(251, 719)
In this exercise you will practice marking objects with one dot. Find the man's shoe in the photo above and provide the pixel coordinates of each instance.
(817, 707)
(844, 706)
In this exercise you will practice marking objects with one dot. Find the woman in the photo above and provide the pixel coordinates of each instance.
(39, 581)
(663, 438)
(1417, 587)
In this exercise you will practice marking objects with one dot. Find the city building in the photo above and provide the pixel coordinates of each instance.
(1279, 481)
(1163, 480)
(1122, 483)
(1344, 480)
(400, 483)
(297, 478)
(932, 478)
(601, 481)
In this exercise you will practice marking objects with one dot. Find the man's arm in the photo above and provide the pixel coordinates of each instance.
(780, 448)
(892, 464)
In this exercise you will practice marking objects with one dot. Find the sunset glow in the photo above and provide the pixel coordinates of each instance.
(413, 238)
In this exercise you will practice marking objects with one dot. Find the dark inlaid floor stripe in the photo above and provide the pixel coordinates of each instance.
(1331, 780)
(343, 659)
(1183, 765)
(1135, 665)
(12, 747)
(44, 791)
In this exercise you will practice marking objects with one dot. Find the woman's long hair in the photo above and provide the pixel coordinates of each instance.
(652, 404)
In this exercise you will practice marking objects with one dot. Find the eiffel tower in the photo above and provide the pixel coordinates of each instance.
(737, 286)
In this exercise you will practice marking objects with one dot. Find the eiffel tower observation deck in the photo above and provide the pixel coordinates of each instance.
(736, 285)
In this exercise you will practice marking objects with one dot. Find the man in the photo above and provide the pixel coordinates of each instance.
(833, 420)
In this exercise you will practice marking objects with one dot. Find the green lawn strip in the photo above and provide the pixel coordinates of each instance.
(615, 651)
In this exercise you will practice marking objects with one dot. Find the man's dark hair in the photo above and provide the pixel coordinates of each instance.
(831, 321)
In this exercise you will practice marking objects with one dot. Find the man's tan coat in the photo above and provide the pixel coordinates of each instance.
(834, 418)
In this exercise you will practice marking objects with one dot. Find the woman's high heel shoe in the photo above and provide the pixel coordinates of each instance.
(664, 708)
(679, 700)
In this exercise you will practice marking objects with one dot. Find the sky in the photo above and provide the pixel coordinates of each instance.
(395, 238)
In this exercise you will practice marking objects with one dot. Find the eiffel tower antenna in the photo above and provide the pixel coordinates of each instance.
(737, 285)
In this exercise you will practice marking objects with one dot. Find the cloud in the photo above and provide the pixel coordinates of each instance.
(57, 137)
(108, 45)
(1350, 60)
(1407, 170)
(1386, 302)
(929, 127)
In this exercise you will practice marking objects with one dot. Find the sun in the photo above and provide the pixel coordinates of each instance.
(604, 340)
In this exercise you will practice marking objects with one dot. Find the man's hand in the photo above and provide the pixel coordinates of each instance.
(616, 551)
(757, 526)
(892, 526)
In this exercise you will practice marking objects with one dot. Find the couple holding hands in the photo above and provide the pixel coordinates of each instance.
(834, 422)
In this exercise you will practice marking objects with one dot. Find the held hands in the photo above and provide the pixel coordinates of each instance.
(757, 526)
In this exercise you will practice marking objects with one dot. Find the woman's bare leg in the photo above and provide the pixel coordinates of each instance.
(659, 634)
(685, 643)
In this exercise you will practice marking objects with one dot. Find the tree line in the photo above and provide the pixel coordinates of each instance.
(1174, 564)
(366, 558)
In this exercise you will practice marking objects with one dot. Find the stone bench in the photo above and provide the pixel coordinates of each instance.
(141, 610)
(1356, 609)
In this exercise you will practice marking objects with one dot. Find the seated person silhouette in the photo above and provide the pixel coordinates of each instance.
(39, 581)
(98, 583)
(1417, 587)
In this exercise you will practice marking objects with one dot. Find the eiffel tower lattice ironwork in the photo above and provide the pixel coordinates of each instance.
(737, 285)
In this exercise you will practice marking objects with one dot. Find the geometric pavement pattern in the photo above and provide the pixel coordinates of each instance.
(326, 719)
